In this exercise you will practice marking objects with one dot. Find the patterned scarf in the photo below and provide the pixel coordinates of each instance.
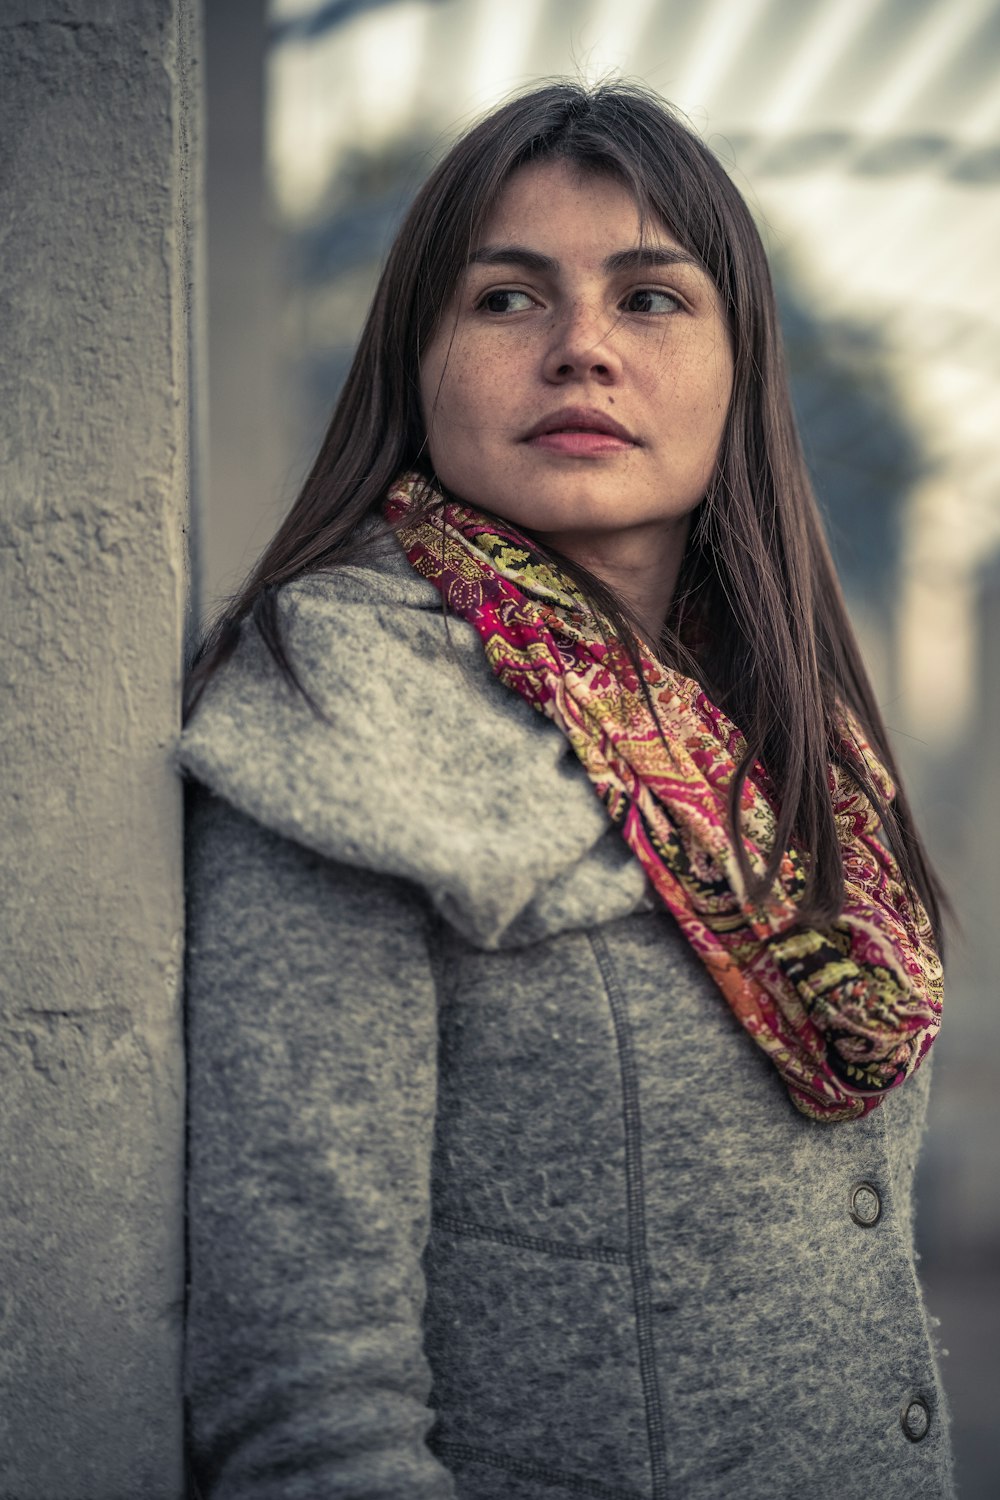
(845, 1013)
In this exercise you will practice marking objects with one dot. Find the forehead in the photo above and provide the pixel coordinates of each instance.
(559, 204)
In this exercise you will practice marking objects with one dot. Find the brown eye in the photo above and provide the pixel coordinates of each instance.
(651, 300)
(505, 301)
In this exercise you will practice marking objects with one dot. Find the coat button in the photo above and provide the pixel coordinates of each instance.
(915, 1418)
(866, 1205)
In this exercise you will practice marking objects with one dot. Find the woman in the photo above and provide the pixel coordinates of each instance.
(560, 962)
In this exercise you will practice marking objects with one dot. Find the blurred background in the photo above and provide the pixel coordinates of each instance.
(866, 136)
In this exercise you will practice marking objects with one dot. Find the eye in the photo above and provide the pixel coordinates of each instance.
(648, 299)
(505, 300)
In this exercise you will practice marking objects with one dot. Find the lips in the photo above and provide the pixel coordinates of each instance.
(580, 419)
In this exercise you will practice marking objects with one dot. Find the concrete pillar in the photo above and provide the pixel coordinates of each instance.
(99, 176)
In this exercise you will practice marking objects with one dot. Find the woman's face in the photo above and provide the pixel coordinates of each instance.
(579, 381)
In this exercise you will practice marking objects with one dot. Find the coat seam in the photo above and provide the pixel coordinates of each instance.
(604, 1254)
(933, 1392)
(636, 1216)
(525, 1469)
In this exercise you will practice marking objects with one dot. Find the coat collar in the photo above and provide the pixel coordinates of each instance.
(429, 769)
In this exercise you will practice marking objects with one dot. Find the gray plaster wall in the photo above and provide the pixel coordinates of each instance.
(99, 171)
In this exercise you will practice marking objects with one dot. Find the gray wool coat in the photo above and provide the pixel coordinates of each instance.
(490, 1196)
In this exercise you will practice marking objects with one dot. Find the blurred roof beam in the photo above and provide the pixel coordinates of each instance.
(943, 32)
(617, 26)
(313, 23)
(501, 49)
(836, 26)
(724, 29)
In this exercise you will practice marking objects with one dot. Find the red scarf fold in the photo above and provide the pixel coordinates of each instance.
(845, 1013)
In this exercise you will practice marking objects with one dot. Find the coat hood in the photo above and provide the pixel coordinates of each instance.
(426, 767)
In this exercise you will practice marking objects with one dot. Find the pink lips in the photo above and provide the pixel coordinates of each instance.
(580, 431)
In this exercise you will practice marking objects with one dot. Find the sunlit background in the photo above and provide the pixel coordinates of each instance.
(866, 136)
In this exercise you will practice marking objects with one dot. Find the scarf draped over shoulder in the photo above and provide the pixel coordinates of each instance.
(844, 1013)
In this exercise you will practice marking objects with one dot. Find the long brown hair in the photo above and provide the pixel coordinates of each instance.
(774, 643)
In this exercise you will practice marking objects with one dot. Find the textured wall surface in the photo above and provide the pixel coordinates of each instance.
(97, 162)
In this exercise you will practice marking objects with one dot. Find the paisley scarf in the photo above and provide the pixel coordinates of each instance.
(844, 1013)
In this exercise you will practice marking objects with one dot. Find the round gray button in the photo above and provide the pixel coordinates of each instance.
(866, 1205)
(915, 1418)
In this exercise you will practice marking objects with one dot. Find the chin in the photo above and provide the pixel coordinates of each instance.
(548, 514)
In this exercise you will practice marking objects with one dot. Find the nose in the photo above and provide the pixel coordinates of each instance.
(581, 347)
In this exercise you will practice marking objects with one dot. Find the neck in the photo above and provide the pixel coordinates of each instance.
(641, 565)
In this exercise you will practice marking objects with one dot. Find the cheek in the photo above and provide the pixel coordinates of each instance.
(431, 391)
(444, 387)
(452, 422)
(708, 398)
(463, 403)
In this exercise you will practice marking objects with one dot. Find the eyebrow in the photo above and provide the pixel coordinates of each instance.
(634, 259)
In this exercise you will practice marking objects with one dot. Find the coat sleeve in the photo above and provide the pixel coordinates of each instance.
(312, 1071)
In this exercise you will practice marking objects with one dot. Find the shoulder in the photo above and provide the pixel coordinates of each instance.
(398, 688)
(421, 764)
